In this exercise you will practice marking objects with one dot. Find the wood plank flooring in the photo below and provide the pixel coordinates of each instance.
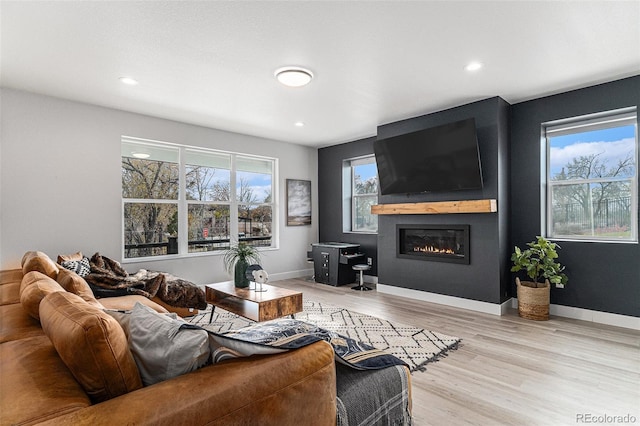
(508, 370)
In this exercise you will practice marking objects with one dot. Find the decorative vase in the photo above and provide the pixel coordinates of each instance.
(239, 277)
(533, 299)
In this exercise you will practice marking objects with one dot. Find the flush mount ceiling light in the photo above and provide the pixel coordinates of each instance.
(293, 76)
(298, 124)
(473, 66)
(141, 155)
(128, 80)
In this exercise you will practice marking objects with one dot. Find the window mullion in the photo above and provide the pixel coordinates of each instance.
(183, 215)
(589, 181)
(149, 201)
(354, 213)
(233, 202)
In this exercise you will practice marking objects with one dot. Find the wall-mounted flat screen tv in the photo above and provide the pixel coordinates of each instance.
(442, 158)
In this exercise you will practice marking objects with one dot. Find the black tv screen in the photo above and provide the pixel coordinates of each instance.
(443, 158)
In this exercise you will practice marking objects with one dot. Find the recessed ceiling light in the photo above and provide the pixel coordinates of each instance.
(293, 76)
(473, 66)
(298, 124)
(141, 155)
(128, 80)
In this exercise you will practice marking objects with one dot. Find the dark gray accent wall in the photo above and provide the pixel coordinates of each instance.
(484, 279)
(330, 161)
(602, 276)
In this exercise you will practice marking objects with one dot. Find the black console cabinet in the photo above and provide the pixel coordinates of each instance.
(332, 262)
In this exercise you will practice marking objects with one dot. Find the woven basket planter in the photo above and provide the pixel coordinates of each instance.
(533, 301)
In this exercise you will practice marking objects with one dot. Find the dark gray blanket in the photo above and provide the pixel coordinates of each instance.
(373, 397)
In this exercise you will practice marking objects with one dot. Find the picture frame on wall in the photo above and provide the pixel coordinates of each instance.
(298, 202)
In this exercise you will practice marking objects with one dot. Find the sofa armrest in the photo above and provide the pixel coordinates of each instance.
(280, 389)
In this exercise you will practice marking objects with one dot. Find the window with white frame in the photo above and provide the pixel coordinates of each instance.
(360, 183)
(592, 177)
(178, 199)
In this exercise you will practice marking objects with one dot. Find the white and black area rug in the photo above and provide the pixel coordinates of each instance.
(415, 346)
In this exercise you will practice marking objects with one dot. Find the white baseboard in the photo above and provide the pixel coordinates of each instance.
(457, 302)
(371, 279)
(607, 318)
(306, 273)
(302, 273)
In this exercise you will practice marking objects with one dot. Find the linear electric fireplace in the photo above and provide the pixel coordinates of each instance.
(437, 243)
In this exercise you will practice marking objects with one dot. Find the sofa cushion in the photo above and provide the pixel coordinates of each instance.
(10, 293)
(35, 384)
(91, 344)
(126, 303)
(183, 312)
(30, 278)
(39, 261)
(75, 284)
(17, 324)
(163, 345)
(34, 287)
(66, 257)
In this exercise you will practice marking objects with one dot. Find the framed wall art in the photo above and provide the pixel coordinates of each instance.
(298, 202)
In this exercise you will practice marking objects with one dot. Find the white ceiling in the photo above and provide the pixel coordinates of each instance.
(211, 63)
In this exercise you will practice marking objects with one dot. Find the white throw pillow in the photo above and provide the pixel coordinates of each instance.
(161, 344)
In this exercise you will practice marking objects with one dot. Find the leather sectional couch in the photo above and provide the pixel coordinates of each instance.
(63, 360)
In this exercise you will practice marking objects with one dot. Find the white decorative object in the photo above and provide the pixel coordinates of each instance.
(260, 277)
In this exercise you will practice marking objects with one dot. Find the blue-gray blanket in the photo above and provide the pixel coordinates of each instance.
(293, 334)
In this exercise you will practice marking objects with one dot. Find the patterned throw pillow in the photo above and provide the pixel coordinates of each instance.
(80, 267)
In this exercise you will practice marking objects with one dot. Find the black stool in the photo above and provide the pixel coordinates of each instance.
(361, 268)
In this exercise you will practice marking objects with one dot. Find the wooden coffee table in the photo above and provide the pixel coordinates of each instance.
(271, 303)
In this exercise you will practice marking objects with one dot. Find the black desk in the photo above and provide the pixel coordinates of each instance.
(332, 262)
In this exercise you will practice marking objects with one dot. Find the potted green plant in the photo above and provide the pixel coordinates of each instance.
(236, 260)
(540, 264)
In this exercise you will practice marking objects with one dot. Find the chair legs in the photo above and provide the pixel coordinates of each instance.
(361, 287)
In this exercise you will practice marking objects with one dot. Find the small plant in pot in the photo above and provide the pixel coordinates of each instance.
(236, 260)
(540, 264)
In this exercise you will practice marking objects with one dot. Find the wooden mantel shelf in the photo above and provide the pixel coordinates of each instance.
(438, 207)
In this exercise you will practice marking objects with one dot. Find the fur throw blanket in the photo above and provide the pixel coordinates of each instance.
(107, 274)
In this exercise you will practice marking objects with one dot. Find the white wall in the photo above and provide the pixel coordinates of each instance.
(60, 183)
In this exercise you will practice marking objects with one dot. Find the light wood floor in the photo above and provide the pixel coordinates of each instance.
(507, 370)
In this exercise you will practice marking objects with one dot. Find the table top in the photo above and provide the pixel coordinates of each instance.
(248, 293)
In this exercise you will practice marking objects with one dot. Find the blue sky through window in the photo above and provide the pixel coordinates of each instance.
(612, 144)
(260, 183)
(367, 171)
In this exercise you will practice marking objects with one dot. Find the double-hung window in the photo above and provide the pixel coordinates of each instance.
(360, 189)
(592, 177)
(184, 200)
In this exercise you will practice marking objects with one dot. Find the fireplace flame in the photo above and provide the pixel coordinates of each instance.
(433, 249)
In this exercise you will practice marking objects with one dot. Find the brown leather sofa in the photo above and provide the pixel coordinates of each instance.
(64, 361)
